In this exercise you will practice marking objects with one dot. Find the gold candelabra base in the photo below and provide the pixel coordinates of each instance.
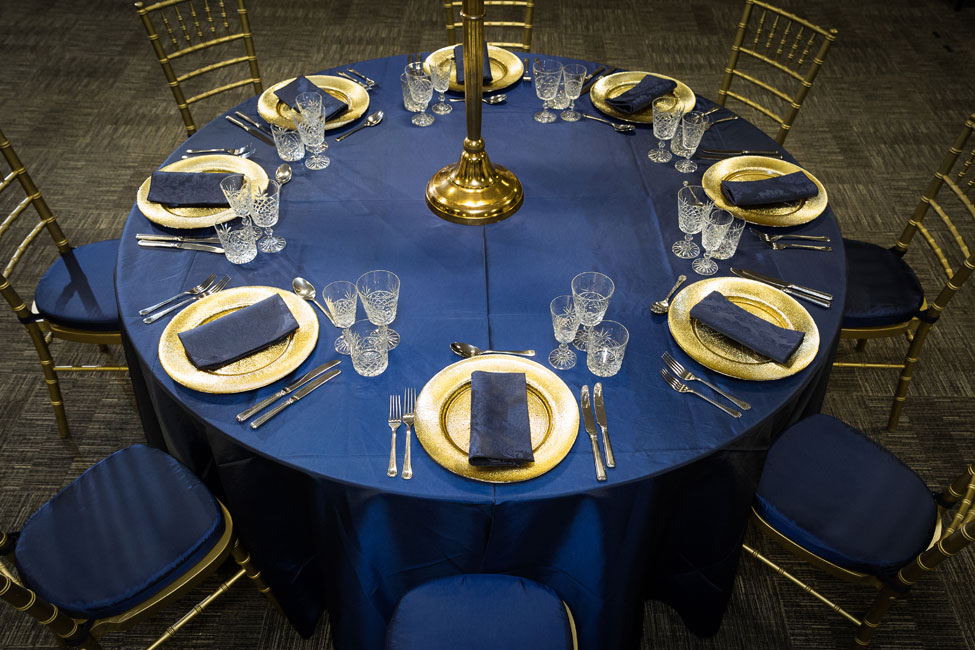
(473, 191)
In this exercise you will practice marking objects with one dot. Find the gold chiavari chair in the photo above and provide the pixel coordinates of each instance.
(885, 297)
(74, 300)
(776, 45)
(132, 535)
(508, 20)
(192, 27)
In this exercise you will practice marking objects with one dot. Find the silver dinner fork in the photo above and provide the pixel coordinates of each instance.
(409, 407)
(200, 288)
(525, 77)
(681, 387)
(221, 283)
(395, 419)
(687, 375)
(764, 236)
(778, 246)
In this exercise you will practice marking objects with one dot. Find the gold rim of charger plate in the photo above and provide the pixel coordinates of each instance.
(277, 112)
(616, 84)
(506, 67)
(727, 357)
(753, 168)
(443, 418)
(255, 371)
(198, 217)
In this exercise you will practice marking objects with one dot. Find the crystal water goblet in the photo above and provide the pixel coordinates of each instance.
(565, 322)
(729, 244)
(606, 347)
(666, 117)
(715, 226)
(237, 189)
(690, 219)
(379, 293)
(341, 299)
(370, 356)
(310, 120)
(408, 102)
(591, 292)
(693, 124)
(421, 89)
(267, 205)
(548, 73)
(440, 75)
(288, 143)
(573, 75)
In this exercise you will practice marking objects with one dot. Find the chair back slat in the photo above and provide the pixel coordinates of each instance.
(509, 22)
(25, 600)
(964, 496)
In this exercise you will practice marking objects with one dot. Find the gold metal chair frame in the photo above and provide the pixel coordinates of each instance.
(947, 541)
(454, 22)
(786, 34)
(69, 629)
(207, 37)
(917, 329)
(43, 331)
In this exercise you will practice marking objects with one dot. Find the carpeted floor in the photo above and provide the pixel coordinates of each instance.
(86, 106)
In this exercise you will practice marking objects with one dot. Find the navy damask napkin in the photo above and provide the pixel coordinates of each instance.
(187, 189)
(778, 189)
(722, 315)
(238, 335)
(641, 95)
(500, 431)
(289, 95)
(459, 64)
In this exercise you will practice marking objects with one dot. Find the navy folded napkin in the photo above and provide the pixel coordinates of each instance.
(238, 335)
(459, 64)
(778, 189)
(289, 95)
(187, 189)
(500, 431)
(641, 95)
(765, 338)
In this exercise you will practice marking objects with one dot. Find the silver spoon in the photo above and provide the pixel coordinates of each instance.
(661, 306)
(244, 152)
(467, 350)
(372, 120)
(282, 175)
(620, 128)
(305, 289)
(493, 99)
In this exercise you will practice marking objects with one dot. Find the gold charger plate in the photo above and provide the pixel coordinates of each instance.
(615, 85)
(443, 418)
(277, 112)
(198, 217)
(506, 67)
(723, 355)
(259, 369)
(754, 168)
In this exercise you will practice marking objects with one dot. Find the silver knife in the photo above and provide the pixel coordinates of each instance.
(254, 132)
(740, 152)
(794, 290)
(189, 246)
(301, 392)
(354, 80)
(591, 430)
(293, 386)
(363, 77)
(252, 122)
(597, 400)
(178, 238)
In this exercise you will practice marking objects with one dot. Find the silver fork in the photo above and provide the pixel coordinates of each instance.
(680, 387)
(409, 405)
(764, 236)
(221, 283)
(687, 375)
(203, 286)
(525, 77)
(395, 419)
(778, 246)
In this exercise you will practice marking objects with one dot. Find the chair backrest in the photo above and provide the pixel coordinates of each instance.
(776, 45)
(507, 23)
(190, 28)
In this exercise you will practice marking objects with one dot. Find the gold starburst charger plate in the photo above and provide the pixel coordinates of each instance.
(615, 85)
(171, 217)
(754, 168)
(260, 368)
(506, 67)
(277, 112)
(443, 418)
(723, 355)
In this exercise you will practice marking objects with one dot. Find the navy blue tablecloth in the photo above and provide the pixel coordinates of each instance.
(309, 491)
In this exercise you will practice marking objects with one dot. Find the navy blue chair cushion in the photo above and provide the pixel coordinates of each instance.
(480, 612)
(118, 533)
(79, 288)
(835, 492)
(881, 289)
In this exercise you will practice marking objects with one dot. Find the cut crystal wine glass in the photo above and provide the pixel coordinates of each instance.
(715, 226)
(591, 292)
(565, 322)
(379, 293)
(692, 206)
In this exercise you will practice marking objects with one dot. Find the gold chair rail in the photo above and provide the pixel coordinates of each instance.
(508, 23)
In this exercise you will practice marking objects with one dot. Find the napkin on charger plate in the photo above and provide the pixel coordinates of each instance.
(459, 64)
(641, 95)
(765, 338)
(289, 95)
(500, 428)
(239, 334)
(187, 189)
(778, 189)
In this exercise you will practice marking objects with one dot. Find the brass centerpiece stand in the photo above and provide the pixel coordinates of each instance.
(473, 191)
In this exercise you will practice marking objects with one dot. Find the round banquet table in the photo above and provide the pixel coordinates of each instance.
(309, 491)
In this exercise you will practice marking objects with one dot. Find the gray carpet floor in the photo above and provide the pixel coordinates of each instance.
(86, 106)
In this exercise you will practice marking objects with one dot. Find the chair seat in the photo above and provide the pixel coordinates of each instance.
(118, 534)
(480, 612)
(78, 290)
(881, 289)
(833, 491)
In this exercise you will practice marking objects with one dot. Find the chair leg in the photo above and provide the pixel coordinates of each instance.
(50, 378)
(243, 559)
(871, 621)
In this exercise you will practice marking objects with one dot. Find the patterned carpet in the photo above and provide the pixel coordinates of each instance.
(86, 106)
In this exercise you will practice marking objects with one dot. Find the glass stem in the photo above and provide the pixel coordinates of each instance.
(442, 98)
(572, 105)
(688, 237)
(268, 232)
(660, 144)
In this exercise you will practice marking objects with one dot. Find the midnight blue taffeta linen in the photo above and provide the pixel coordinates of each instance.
(757, 334)
(641, 95)
(768, 191)
(78, 290)
(500, 433)
(309, 491)
(333, 106)
(485, 65)
(187, 189)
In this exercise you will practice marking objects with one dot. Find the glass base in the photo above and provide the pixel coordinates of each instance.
(685, 166)
(271, 244)
(341, 345)
(422, 119)
(545, 117)
(392, 338)
(660, 155)
(684, 249)
(441, 108)
(562, 358)
(704, 266)
(317, 162)
(571, 116)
